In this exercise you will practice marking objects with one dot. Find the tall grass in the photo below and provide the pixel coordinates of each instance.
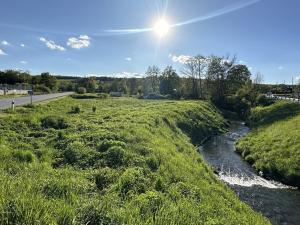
(273, 146)
(129, 162)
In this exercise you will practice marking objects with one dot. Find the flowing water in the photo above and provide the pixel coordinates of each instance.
(278, 202)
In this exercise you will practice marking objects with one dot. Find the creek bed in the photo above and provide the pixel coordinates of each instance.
(278, 202)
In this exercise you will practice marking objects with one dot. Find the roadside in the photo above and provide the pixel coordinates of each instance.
(18, 101)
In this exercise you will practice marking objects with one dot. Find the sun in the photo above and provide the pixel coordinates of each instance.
(161, 28)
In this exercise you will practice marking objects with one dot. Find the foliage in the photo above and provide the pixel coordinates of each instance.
(55, 122)
(81, 90)
(75, 109)
(127, 163)
(273, 145)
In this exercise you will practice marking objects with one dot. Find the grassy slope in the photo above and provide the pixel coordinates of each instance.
(273, 146)
(127, 163)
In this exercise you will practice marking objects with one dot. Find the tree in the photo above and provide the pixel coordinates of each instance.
(132, 86)
(237, 76)
(195, 68)
(170, 82)
(48, 80)
(216, 77)
(89, 83)
(151, 82)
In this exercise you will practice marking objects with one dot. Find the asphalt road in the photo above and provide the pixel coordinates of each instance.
(6, 103)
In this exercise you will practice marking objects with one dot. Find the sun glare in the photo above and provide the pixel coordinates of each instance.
(161, 27)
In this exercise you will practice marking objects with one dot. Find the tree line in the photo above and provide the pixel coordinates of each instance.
(219, 79)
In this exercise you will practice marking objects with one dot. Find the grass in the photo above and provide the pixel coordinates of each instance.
(273, 146)
(128, 162)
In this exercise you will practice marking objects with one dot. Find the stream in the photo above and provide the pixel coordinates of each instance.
(278, 202)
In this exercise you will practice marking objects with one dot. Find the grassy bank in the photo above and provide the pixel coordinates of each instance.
(112, 161)
(273, 146)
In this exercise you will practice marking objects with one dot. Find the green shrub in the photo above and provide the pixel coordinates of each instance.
(94, 108)
(105, 177)
(115, 156)
(103, 95)
(24, 156)
(75, 109)
(95, 214)
(81, 90)
(55, 122)
(106, 144)
(41, 88)
(148, 203)
(153, 163)
(263, 100)
(134, 181)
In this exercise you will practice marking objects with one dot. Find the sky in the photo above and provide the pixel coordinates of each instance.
(123, 37)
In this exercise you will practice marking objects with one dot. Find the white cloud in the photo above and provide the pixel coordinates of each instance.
(183, 59)
(127, 75)
(22, 45)
(2, 52)
(280, 68)
(51, 44)
(5, 43)
(128, 58)
(298, 79)
(23, 62)
(84, 37)
(83, 41)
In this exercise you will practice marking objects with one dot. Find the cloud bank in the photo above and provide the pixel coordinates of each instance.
(51, 44)
(83, 41)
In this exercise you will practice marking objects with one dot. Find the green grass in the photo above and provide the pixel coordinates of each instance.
(127, 162)
(273, 146)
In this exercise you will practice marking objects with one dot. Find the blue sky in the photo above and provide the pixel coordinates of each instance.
(75, 37)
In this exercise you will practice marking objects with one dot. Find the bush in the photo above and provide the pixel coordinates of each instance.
(75, 109)
(106, 144)
(148, 203)
(24, 156)
(103, 95)
(153, 163)
(262, 100)
(132, 180)
(115, 156)
(94, 108)
(81, 90)
(41, 88)
(95, 214)
(55, 122)
(105, 177)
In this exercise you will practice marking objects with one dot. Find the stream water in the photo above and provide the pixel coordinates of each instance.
(278, 202)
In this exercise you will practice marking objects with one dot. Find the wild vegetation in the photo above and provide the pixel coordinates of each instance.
(113, 161)
(273, 145)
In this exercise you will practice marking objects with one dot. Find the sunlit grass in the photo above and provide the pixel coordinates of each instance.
(127, 162)
(273, 146)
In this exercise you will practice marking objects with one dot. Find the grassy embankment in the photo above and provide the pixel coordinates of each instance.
(126, 163)
(273, 146)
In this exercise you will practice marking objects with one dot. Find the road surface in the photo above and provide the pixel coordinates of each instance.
(6, 103)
